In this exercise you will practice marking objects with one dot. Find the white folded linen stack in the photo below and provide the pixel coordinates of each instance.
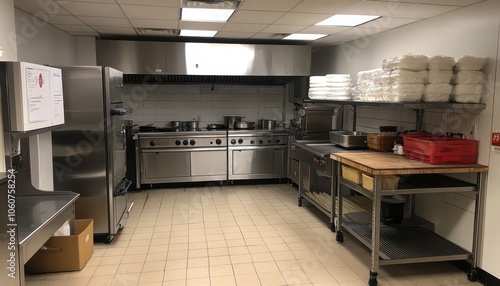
(408, 76)
(330, 87)
(370, 85)
(438, 88)
(468, 79)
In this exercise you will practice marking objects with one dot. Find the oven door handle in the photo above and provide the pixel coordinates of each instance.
(122, 188)
(276, 147)
(174, 150)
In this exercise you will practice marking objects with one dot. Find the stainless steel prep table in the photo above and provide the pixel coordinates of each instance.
(38, 217)
(407, 244)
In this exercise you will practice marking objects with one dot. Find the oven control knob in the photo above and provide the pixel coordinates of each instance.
(252, 141)
(278, 141)
(185, 142)
(218, 141)
(240, 141)
(294, 149)
(233, 141)
(177, 142)
(152, 143)
(192, 142)
(269, 141)
(261, 141)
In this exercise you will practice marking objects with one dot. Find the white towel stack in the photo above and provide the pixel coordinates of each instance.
(468, 79)
(438, 88)
(408, 75)
(330, 87)
(371, 85)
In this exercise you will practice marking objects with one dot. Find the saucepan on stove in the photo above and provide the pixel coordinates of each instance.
(229, 120)
(266, 124)
(244, 125)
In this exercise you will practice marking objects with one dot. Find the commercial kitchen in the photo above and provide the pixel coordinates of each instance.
(366, 155)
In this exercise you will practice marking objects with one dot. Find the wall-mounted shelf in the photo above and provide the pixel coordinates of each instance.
(419, 107)
(404, 105)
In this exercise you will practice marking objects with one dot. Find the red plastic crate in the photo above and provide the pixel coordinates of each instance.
(439, 149)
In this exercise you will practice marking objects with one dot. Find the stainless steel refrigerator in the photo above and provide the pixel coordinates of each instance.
(89, 150)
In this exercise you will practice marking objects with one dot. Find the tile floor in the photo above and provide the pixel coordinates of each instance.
(236, 235)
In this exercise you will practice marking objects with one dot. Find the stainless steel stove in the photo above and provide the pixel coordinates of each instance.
(191, 156)
(257, 154)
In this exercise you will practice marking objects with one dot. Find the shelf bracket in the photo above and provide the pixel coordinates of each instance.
(419, 119)
(354, 116)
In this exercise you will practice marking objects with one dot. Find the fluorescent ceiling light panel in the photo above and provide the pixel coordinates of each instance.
(310, 37)
(347, 20)
(198, 33)
(205, 15)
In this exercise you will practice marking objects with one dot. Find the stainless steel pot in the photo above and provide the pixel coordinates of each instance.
(193, 125)
(267, 124)
(230, 120)
(244, 125)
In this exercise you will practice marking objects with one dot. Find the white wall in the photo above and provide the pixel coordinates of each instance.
(161, 104)
(8, 49)
(469, 31)
(38, 42)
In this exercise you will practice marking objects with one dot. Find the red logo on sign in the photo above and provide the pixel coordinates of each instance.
(40, 80)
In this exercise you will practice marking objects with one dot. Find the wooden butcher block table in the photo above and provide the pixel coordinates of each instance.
(407, 242)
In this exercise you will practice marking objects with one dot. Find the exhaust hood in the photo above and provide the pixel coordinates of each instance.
(175, 62)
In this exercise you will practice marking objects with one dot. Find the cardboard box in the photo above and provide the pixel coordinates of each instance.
(65, 253)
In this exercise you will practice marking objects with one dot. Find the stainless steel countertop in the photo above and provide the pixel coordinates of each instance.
(323, 148)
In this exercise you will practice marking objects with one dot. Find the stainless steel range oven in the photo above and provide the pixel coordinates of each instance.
(174, 157)
(257, 154)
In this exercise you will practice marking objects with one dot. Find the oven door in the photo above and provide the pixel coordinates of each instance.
(165, 166)
(257, 162)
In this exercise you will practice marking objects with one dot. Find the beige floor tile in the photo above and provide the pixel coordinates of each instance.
(198, 253)
(175, 283)
(133, 258)
(240, 258)
(263, 267)
(137, 250)
(181, 254)
(221, 270)
(176, 264)
(158, 256)
(288, 265)
(198, 282)
(154, 249)
(262, 257)
(154, 266)
(115, 251)
(148, 277)
(100, 280)
(197, 262)
(175, 274)
(130, 268)
(106, 270)
(223, 280)
(126, 279)
(244, 268)
(198, 272)
(253, 249)
(219, 260)
(271, 279)
(110, 260)
(250, 279)
(295, 277)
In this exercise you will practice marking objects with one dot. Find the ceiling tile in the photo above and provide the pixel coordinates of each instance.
(150, 12)
(93, 9)
(337, 39)
(34, 7)
(166, 3)
(323, 30)
(187, 25)
(161, 24)
(360, 32)
(115, 30)
(95, 34)
(440, 2)
(266, 5)
(101, 21)
(301, 19)
(399, 10)
(75, 28)
(238, 27)
(239, 35)
(274, 36)
(64, 20)
(324, 6)
(287, 29)
(255, 17)
(388, 22)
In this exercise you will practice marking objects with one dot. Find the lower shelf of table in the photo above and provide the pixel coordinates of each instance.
(406, 244)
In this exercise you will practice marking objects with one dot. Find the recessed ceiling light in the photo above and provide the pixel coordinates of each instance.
(347, 20)
(205, 15)
(198, 33)
(311, 37)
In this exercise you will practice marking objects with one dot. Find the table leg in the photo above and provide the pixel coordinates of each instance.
(375, 231)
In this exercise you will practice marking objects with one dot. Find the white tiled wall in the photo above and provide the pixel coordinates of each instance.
(160, 104)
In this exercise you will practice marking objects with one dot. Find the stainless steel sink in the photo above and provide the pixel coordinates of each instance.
(349, 139)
